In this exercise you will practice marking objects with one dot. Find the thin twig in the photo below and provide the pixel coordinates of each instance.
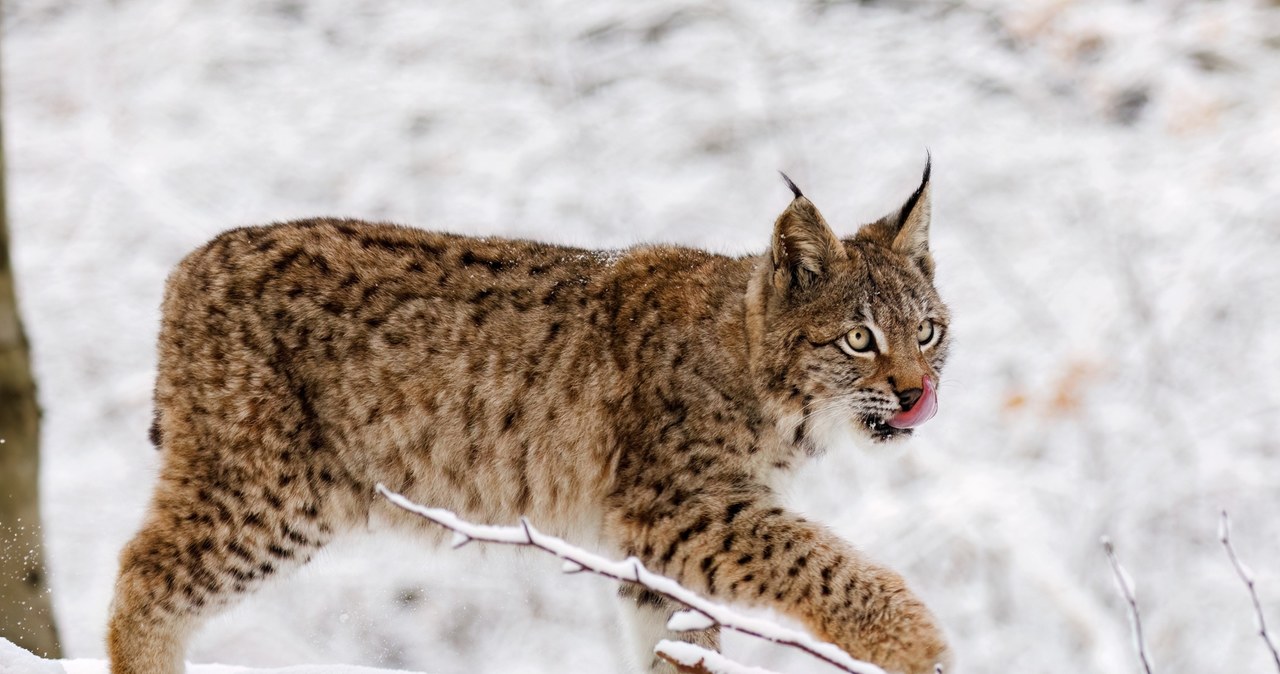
(1126, 590)
(1224, 535)
(632, 570)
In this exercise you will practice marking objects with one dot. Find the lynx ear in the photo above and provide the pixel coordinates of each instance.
(803, 244)
(912, 238)
(906, 231)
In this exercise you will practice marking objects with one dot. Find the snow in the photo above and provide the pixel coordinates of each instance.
(691, 655)
(100, 667)
(14, 660)
(687, 621)
(1106, 227)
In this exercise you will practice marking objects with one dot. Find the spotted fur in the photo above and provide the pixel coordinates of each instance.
(643, 399)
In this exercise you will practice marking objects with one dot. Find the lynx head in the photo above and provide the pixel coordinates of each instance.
(849, 332)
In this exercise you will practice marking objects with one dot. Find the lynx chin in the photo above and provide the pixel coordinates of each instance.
(641, 401)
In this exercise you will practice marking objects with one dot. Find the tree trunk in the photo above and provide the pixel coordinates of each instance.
(26, 614)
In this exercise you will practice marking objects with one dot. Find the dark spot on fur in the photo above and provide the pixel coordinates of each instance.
(294, 536)
(286, 260)
(279, 552)
(649, 598)
(322, 264)
(238, 550)
(670, 552)
(699, 526)
(470, 259)
(732, 511)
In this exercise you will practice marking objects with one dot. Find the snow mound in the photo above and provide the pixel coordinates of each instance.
(15, 660)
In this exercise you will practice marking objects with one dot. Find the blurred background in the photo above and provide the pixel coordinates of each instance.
(1106, 225)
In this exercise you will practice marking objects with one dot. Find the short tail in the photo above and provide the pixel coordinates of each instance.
(154, 433)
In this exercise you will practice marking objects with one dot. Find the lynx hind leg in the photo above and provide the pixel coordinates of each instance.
(645, 615)
(215, 532)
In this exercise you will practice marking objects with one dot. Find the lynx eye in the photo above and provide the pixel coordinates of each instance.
(924, 333)
(859, 341)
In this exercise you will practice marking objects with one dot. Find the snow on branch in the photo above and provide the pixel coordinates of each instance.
(1125, 585)
(1224, 535)
(631, 570)
(686, 657)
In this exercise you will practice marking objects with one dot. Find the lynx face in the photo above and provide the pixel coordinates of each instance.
(854, 329)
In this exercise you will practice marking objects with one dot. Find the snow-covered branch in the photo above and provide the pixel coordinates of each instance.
(1125, 584)
(694, 659)
(631, 570)
(1224, 535)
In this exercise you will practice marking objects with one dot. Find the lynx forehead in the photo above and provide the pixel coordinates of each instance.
(642, 400)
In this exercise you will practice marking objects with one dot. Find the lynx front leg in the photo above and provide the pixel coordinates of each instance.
(645, 615)
(743, 549)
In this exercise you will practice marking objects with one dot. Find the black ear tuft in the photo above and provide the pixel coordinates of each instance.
(915, 197)
(796, 190)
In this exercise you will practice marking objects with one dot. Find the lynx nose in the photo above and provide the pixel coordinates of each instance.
(909, 397)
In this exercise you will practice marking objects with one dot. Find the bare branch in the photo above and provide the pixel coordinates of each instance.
(1224, 535)
(631, 570)
(1125, 584)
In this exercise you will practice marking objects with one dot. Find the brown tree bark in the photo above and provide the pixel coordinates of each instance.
(26, 613)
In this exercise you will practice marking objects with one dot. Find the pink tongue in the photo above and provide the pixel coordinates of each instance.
(922, 411)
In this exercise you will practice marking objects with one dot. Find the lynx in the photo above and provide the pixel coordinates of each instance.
(645, 400)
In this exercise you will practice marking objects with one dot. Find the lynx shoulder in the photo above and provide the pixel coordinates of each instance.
(643, 400)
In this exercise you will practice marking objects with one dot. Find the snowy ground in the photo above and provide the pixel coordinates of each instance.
(14, 660)
(1107, 226)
